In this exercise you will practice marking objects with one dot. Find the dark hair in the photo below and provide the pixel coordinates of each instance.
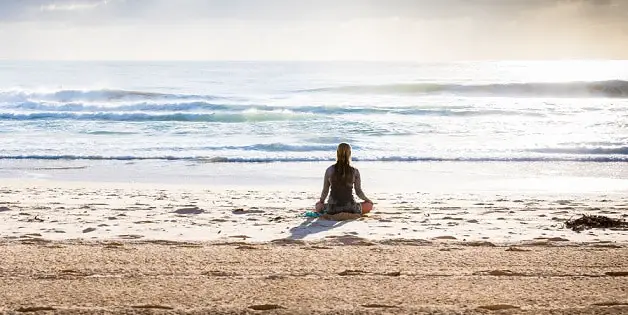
(342, 169)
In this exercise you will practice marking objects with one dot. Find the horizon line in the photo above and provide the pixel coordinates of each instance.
(319, 60)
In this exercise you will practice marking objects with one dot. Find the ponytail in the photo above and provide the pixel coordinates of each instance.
(342, 169)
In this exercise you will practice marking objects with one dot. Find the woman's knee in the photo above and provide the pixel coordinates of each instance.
(367, 207)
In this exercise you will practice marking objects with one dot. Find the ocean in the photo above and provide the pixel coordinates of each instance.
(218, 120)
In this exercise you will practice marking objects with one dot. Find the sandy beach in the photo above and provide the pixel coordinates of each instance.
(337, 276)
(62, 210)
(95, 247)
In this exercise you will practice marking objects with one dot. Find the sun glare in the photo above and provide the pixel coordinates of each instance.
(571, 70)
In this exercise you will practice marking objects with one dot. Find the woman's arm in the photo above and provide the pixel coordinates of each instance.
(357, 183)
(326, 185)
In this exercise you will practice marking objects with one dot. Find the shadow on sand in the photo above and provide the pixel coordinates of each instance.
(317, 225)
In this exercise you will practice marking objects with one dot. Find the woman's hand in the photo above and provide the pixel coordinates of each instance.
(320, 206)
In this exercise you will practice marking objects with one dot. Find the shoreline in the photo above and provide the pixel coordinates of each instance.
(386, 177)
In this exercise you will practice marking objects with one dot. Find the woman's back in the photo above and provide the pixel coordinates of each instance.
(342, 185)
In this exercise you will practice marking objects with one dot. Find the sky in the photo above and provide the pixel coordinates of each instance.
(381, 30)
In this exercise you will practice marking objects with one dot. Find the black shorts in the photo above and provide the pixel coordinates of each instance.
(348, 208)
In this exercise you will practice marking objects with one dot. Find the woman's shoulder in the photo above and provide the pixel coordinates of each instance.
(330, 169)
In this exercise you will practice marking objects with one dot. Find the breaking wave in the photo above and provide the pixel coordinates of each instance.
(245, 116)
(313, 159)
(97, 95)
(612, 88)
(590, 151)
(142, 111)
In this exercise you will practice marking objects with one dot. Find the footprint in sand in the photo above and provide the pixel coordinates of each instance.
(35, 309)
(350, 240)
(498, 307)
(446, 237)
(287, 241)
(190, 210)
(313, 247)
(552, 239)
(130, 236)
(352, 273)
(379, 306)
(250, 211)
(265, 307)
(515, 249)
(498, 273)
(160, 307)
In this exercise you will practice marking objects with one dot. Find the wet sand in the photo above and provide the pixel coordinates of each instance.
(338, 276)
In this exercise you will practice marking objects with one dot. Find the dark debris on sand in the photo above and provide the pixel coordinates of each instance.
(595, 221)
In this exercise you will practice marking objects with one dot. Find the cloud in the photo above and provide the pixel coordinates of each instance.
(313, 29)
(74, 6)
(42, 11)
(182, 11)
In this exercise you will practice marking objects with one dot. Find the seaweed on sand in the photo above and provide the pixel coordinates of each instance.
(595, 221)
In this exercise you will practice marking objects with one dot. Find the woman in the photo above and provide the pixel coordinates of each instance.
(341, 178)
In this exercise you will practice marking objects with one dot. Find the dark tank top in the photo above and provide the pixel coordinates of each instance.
(342, 190)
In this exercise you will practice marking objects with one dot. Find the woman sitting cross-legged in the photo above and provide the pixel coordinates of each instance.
(341, 178)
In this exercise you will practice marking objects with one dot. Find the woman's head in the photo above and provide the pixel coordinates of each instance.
(343, 154)
(343, 169)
